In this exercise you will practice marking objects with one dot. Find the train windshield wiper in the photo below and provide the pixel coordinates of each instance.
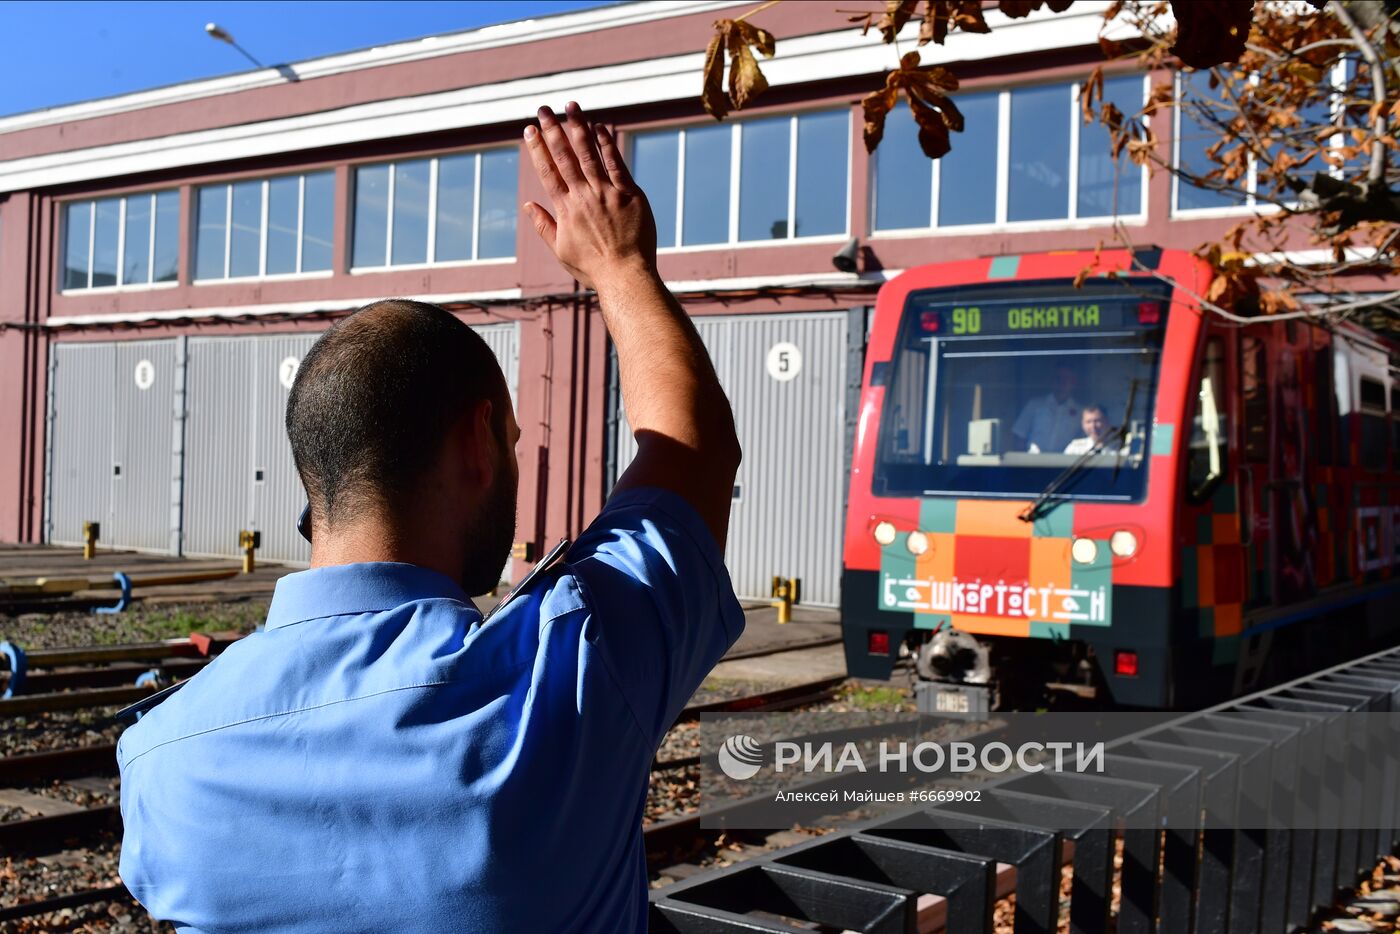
(1116, 436)
(1033, 511)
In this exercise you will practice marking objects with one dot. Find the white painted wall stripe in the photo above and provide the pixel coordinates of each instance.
(800, 60)
(489, 37)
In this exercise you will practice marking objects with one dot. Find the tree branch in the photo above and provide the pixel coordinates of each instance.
(1375, 174)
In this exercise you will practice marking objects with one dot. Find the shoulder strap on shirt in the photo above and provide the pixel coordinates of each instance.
(555, 555)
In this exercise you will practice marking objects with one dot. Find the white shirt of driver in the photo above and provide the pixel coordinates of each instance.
(1048, 424)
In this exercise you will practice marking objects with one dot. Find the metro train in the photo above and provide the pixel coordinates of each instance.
(1106, 491)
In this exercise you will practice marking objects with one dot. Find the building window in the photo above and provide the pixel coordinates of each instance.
(1025, 156)
(1196, 134)
(128, 241)
(265, 227)
(1199, 129)
(770, 178)
(448, 209)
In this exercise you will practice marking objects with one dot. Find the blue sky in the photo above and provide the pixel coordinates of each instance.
(63, 51)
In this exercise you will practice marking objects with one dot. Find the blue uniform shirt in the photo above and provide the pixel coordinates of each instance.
(379, 760)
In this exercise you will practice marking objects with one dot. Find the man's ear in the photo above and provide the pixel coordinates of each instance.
(483, 453)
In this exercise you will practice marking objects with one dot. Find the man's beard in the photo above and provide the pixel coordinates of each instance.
(490, 537)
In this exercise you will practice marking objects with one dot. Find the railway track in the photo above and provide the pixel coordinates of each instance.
(35, 836)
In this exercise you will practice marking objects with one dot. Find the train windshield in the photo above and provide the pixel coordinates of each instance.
(1010, 390)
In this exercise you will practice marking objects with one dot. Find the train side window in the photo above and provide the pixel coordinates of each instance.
(1373, 425)
(1208, 450)
(1326, 404)
(1395, 421)
(1254, 387)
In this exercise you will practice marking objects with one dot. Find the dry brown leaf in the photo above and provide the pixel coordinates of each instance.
(1211, 32)
(1016, 9)
(927, 92)
(1140, 151)
(942, 16)
(1093, 89)
(897, 13)
(1273, 302)
(876, 106)
(746, 80)
(712, 92)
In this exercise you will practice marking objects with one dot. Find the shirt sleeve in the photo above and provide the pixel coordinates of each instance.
(1025, 421)
(663, 610)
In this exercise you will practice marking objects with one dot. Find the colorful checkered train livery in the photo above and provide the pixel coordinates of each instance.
(1110, 489)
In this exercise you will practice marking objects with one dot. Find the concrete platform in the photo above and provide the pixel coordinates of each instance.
(30, 561)
(763, 632)
(789, 667)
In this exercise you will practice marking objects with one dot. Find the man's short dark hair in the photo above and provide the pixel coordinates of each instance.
(376, 396)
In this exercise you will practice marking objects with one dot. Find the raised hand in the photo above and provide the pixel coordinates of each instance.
(601, 223)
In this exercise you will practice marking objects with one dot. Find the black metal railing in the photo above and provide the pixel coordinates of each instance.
(1247, 817)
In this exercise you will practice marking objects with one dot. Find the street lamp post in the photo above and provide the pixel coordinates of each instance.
(218, 32)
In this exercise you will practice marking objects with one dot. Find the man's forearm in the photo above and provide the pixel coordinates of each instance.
(668, 384)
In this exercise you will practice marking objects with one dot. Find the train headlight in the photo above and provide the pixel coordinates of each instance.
(1123, 543)
(917, 543)
(1084, 550)
(885, 533)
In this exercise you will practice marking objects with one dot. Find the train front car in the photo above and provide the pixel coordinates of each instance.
(1013, 489)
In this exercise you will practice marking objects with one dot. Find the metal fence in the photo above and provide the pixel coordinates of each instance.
(1209, 810)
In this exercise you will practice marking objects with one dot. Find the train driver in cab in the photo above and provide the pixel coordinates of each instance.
(1050, 422)
(1096, 429)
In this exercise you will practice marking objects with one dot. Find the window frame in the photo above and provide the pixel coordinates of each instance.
(1368, 410)
(121, 286)
(1072, 220)
(431, 263)
(261, 275)
(1214, 350)
(732, 240)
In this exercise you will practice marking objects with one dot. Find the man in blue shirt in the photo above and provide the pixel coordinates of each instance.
(381, 759)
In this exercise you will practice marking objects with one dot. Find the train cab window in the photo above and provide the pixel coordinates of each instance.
(1206, 452)
(1000, 390)
(1374, 440)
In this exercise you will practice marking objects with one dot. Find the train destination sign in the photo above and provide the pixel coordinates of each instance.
(995, 598)
(1025, 316)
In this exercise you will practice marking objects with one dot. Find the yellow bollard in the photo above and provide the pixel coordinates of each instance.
(249, 541)
(91, 532)
(786, 592)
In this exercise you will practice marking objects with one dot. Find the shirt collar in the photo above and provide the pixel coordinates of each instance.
(347, 589)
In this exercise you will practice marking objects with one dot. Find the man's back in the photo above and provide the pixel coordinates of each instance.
(378, 759)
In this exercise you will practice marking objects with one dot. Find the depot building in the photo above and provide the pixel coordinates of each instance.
(167, 257)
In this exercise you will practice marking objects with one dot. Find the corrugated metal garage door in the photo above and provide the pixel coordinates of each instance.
(79, 479)
(239, 469)
(218, 455)
(504, 341)
(787, 512)
(112, 455)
